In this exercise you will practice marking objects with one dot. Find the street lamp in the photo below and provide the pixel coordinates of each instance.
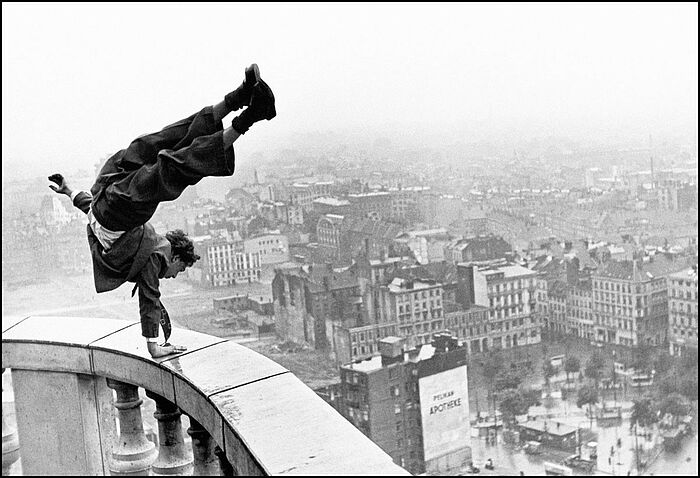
(614, 380)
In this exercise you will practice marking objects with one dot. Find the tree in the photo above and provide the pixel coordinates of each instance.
(512, 402)
(587, 395)
(674, 405)
(643, 413)
(643, 360)
(689, 385)
(663, 363)
(258, 224)
(491, 367)
(594, 367)
(689, 359)
(506, 379)
(548, 371)
(571, 365)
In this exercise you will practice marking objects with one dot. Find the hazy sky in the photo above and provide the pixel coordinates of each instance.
(81, 81)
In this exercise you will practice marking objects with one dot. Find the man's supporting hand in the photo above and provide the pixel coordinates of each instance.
(162, 350)
(62, 186)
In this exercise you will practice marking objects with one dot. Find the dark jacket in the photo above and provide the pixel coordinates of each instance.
(141, 256)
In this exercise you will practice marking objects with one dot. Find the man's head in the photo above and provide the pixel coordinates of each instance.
(182, 253)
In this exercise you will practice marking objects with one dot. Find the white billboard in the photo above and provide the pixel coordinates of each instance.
(444, 412)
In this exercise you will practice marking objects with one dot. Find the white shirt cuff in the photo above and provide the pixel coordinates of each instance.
(73, 194)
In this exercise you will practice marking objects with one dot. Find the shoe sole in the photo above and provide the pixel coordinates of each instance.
(252, 75)
(272, 112)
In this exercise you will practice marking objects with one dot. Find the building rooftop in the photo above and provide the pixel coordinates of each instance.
(690, 273)
(399, 285)
(364, 195)
(427, 232)
(551, 427)
(375, 362)
(509, 271)
(640, 271)
(331, 201)
(387, 260)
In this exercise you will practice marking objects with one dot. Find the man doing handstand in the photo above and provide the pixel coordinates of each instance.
(158, 167)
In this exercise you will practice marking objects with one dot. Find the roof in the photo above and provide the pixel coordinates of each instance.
(373, 363)
(399, 285)
(387, 260)
(365, 195)
(367, 226)
(686, 274)
(550, 427)
(512, 270)
(427, 232)
(640, 271)
(331, 201)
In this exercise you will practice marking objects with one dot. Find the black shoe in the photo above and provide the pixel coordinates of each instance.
(242, 95)
(263, 102)
(262, 107)
(252, 76)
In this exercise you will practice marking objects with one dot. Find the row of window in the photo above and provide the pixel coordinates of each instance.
(657, 284)
(419, 295)
(689, 295)
(682, 333)
(507, 312)
(418, 305)
(509, 299)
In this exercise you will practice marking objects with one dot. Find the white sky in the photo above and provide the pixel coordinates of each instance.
(81, 81)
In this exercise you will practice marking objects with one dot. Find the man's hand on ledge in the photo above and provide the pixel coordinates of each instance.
(62, 186)
(161, 350)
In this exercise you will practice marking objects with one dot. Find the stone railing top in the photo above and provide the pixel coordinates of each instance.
(245, 400)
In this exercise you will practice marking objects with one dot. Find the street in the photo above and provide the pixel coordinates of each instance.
(511, 459)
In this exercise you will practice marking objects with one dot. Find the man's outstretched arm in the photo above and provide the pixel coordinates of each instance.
(80, 199)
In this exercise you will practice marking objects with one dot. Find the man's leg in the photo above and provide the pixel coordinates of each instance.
(144, 149)
(150, 172)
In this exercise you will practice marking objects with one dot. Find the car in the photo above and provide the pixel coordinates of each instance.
(533, 448)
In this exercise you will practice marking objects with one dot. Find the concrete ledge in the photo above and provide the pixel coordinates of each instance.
(267, 421)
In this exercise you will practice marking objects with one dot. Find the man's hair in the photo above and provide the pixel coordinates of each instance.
(182, 246)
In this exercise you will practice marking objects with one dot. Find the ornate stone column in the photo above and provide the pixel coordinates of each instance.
(205, 461)
(224, 465)
(174, 458)
(133, 453)
(10, 443)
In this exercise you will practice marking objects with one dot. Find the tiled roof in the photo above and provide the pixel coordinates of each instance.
(381, 229)
(659, 266)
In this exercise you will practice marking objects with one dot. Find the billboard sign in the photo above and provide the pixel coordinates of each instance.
(444, 412)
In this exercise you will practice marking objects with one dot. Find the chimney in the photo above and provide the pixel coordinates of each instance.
(391, 350)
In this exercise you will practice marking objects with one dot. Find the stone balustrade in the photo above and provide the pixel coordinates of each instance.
(75, 378)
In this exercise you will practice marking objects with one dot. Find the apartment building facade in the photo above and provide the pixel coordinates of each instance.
(630, 301)
(508, 291)
(413, 403)
(225, 263)
(683, 311)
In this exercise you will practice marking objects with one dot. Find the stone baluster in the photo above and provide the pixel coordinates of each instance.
(10, 443)
(205, 462)
(133, 453)
(224, 464)
(174, 458)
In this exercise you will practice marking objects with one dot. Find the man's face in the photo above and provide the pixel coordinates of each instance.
(176, 266)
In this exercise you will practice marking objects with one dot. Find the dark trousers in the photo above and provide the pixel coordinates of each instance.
(158, 167)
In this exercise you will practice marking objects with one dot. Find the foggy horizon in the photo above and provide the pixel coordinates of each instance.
(412, 73)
